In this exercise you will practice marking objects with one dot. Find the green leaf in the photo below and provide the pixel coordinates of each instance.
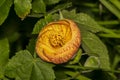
(69, 14)
(4, 10)
(41, 23)
(42, 69)
(31, 46)
(22, 7)
(2, 1)
(4, 54)
(60, 75)
(92, 62)
(84, 20)
(88, 23)
(38, 6)
(77, 57)
(61, 7)
(49, 2)
(5, 78)
(20, 65)
(94, 46)
(24, 67)
(38, 26)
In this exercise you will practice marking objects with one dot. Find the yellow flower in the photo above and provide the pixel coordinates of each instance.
(58, 41)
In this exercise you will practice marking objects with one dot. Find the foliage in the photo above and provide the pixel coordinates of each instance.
(98, 57)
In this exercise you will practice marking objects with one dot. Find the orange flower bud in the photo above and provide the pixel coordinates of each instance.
(58, 41)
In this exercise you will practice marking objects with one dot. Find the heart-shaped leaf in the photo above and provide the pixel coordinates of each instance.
(24, 67)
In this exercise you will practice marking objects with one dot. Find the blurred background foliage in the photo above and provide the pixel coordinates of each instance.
(97, 59)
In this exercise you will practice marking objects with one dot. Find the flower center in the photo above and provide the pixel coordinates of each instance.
(56, 40)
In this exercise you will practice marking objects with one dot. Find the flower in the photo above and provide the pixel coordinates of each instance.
(58, 41)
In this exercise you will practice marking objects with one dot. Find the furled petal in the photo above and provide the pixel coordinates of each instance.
(58, 41)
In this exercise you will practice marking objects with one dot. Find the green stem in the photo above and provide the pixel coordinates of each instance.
(76, 75)
(109, 33)
(90, 68)
(89, 5)
(111, 8)
(112, 22)
(56, 9)
(77, 57)
(61, 15)
(34, 55)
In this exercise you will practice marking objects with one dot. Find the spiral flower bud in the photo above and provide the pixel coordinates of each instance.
(58, 41)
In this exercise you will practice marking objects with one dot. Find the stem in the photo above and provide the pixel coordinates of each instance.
(111, 8)
(113, 22)
(61, 15)
(90, 68)
(109, 33)
(77, 74)
(35, 15)
(77, 57)
(56, 9)
(34, 55)
(89, 5)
